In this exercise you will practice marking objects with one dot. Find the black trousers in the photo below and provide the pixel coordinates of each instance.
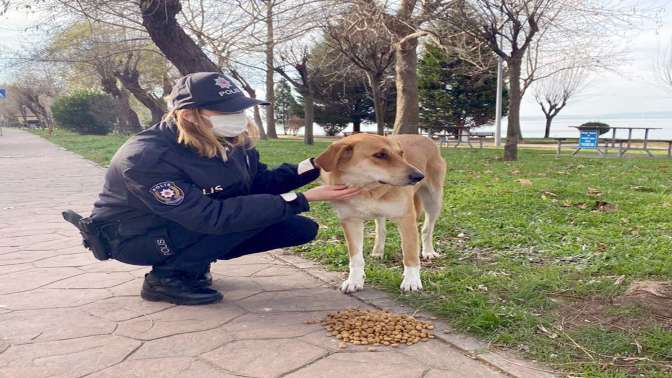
(179, 249)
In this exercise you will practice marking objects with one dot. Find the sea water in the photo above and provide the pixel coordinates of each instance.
(533, 127)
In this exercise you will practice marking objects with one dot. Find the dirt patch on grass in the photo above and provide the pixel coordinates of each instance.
(615, 333)
(643, 305)
(656, 296)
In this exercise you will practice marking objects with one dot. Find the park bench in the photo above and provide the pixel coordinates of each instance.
(463, 135)
(481, 136)
(663, 141)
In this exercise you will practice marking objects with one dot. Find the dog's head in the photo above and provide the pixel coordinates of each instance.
(364, 159)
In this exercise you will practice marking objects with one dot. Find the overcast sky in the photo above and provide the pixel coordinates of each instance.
(633, 89)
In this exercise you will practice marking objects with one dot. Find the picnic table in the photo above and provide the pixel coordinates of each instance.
(459, 135)
(629, 140)
(589, 139)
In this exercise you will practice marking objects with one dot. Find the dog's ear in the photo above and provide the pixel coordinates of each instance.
(337, 153)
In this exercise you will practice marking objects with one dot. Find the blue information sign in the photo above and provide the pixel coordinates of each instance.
(588, 139)
(3, 93)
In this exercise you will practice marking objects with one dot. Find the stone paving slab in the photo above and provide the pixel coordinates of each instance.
(65, 314)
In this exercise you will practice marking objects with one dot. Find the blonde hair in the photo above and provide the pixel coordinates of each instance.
(203, 140)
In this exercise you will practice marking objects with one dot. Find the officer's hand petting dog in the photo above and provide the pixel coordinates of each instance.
(331, 193)
(192, 190)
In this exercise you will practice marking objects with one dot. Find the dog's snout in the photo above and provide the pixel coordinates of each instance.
(415, 176)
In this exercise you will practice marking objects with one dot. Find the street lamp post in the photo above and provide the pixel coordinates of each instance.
(498, 105)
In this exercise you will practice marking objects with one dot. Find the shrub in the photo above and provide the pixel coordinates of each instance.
(332, 129)
(601, 127)
(86, 112)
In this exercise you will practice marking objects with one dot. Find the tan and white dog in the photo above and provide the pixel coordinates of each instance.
(401, 175)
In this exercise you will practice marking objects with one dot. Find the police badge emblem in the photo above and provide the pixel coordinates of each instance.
(168, 193)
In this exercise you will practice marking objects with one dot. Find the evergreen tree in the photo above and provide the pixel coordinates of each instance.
(285, 105)
(452, 94)
(340, 92)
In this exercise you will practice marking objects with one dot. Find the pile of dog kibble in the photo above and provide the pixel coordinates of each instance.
(375, 327)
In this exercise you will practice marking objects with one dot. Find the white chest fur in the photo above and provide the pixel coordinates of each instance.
(365, 207)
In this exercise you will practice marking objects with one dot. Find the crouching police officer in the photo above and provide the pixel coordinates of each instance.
(191, 190)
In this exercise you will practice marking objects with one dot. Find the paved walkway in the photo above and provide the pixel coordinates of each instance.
(65, 314)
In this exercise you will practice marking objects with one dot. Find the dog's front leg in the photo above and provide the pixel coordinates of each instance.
(410, 247)
(354, 235)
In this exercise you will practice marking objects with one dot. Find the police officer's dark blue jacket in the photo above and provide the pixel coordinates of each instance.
(152, 180)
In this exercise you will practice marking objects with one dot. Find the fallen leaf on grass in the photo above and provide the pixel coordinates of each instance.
(619, 280)
(515, 172)
(638, 188)
(593, 192)
(605, 207)
(548, 333)
(524, 182)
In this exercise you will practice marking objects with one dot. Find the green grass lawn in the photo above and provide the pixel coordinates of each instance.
(536, 253)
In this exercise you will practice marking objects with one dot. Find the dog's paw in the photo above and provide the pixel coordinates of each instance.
(428, 255)
(352, 284)
(411, 281)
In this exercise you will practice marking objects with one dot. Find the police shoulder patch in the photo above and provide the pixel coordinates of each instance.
(168, 193)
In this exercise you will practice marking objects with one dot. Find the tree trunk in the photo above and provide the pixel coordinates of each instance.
(378, 105)
(131, 81)
(356, 125)
(309, 118)
(260, 123)
(245, 85)
(270, 89)
(515, 97)
(406, 120)
(549, 119)
(41, 113)
(166, 83)
(131, 121)
(158, 17)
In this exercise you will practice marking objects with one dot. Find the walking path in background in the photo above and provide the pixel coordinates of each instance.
(65, 314)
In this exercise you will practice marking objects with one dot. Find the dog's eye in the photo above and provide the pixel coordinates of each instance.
(380, 155)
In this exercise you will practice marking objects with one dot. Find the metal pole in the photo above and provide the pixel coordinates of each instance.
(498, 106)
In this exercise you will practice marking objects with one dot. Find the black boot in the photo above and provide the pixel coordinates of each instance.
(200, 277)
(203, 280)
(176, 288)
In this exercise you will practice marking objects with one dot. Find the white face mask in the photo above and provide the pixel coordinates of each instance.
(228, 125)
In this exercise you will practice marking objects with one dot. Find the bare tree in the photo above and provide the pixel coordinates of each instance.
(129, 75)
(92, 49)
(664, 66)
(358, 34)
(511, 28)
(222, 32)
(553, 92)
(405, 22)
(35, 91)
(297, 58)
(159, 18)
(274, 23)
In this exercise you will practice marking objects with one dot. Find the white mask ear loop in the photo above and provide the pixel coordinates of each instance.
(228, 125)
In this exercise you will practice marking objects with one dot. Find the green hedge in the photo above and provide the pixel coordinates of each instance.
(86, 112)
